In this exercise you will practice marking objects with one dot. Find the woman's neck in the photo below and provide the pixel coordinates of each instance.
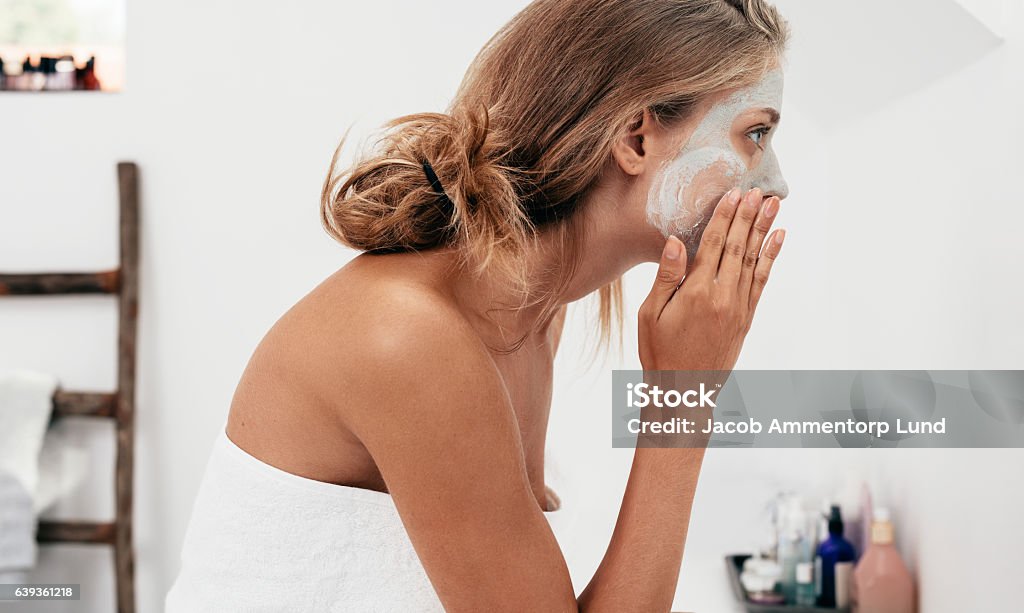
(604, 252)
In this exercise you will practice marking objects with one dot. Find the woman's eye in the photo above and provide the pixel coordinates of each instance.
(758, 135)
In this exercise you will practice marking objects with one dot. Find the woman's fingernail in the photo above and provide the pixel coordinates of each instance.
(672, 248)
(734, 196)
(771, 208)
(780, 236)
(754, 198)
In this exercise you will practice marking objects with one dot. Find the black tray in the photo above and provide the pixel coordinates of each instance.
(735, 565)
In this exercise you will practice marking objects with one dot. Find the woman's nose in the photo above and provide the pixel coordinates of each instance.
(780, 189)
(774, 183)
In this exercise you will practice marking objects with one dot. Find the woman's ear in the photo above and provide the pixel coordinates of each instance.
(631, 149)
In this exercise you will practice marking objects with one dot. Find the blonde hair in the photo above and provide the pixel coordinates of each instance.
(531, 128)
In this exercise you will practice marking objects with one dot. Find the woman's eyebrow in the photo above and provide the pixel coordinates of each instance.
(774, 115)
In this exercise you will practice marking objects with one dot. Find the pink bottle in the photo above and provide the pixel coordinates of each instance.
(881, 581)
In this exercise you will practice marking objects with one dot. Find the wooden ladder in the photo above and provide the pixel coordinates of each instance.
(119, 405)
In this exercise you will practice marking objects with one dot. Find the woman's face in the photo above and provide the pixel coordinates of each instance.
(730, 147)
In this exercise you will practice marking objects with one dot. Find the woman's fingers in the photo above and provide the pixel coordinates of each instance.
(709, 254)
(670, 272)
(735, 249)
(764, 266)
(762, 224)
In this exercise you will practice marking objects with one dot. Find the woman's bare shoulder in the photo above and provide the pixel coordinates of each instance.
(375, 320)
(379, 300)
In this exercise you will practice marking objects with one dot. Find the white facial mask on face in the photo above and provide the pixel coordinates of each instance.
(686, 189)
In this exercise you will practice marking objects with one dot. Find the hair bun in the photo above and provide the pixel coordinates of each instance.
(389, 202)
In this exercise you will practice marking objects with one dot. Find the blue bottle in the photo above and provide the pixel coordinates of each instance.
(833, 551)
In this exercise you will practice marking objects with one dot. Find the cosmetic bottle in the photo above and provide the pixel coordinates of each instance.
(849, 497)
(12, 83)
(89, 80)
(26, 77)
(866, 510)
(41, 71)
(834, 564)
(33, 79)
(806, 595)
(65, 69)
(48, 67)
(796, 544)
(881, 581)
(788, 558)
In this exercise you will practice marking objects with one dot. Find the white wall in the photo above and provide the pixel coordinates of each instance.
(902, 234)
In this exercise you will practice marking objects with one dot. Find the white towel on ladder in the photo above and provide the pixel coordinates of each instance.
(26, 402)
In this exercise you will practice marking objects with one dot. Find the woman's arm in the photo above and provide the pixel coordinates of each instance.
(640, 569)
(436, 418)
(438, 422)
(699, 325)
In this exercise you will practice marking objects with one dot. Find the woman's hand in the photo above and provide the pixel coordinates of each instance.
(701, 324)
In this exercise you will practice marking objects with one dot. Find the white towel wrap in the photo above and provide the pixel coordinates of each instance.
(261, 539)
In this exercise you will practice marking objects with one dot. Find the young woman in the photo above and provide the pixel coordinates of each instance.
(385, 446)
